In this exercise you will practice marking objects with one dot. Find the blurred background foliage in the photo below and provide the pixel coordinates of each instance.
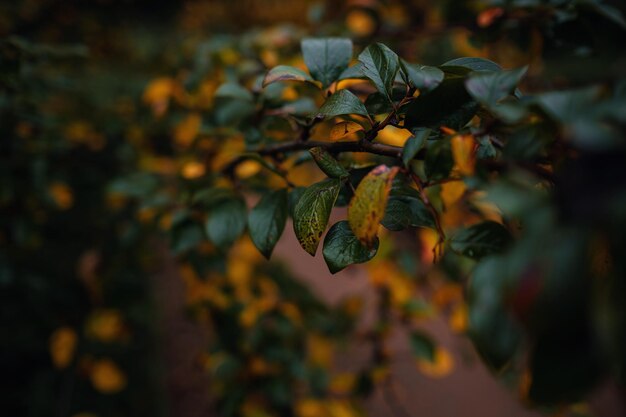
(114, 112)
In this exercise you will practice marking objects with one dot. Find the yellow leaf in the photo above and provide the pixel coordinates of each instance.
(62, 346)
(158, 93)
(442, 366)
(247, 169)
(394, 136)
(289, 94)
(428, 239)
(451, 192)
(310, 407)
(249, 315)
(361, 23)
(343, 129)
(463, 152)
(107, 377)
(105, 325)
(187, 130)
(367, 207)
(341, 408)
(192, 170)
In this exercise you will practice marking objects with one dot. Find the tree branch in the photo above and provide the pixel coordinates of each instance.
(332, 147)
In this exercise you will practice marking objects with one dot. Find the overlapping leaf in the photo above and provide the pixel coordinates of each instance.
(481, 240)
(380, 64)
(343, 248)
(367, 207)
(267, 219)
(328, 164)
(285, 73)
(312, 212)
(327, 58)
(341, 103)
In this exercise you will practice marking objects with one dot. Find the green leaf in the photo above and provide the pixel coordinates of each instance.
(343, 248)
(422, 346)
(327, 58)
(570, 105)
(447, 105)
(609, 12)
(233, 91)
(414, 144)
(380, 64)
(226, 222)
(341, 103)
(367, 207)
(489, 88)
(353, 72)
(405, 211)
(328, 164)
(438, 161)
(422, 77)
(267, 219)
(406, 208)
(285, 73)
(186, 236)
(475, 64)
(485, 150)
(493, 331)
(210, 197)
(481, 240)
(312, 212)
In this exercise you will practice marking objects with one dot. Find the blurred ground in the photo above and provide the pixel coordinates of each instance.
(463, 393)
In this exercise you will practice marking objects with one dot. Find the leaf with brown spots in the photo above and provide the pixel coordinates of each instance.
(367, 208)
(310, 216)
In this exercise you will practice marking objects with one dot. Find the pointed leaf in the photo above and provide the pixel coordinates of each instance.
(226, 222)
(438, 161)
(312, 212)
(447, 105)
(422, 77)
(343, 248)
(328, 164)
(474, 64)
(405, 211)
(481, 240)
(494, 332)
(352, 73)
(367, 207)
(489, 88)
(327, 58)
(414, 144)
(285, 73)
(267, 219)
(380, 64)
(341, 103)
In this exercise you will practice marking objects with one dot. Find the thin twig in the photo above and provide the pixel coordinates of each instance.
(438, 249)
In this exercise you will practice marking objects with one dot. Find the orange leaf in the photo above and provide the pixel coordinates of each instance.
(463, 152)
